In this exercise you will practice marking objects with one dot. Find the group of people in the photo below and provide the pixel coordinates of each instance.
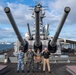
(34, 60)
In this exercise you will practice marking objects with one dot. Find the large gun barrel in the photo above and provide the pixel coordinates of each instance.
(37, 32)
(11, 19)
(53, 42)
(46, 34)
(31, 38)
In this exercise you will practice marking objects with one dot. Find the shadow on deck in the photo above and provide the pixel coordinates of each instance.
(56, 69)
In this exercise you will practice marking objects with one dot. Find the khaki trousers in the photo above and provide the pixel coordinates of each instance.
(46, 61)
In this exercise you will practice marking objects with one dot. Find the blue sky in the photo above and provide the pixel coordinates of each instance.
(22, 15)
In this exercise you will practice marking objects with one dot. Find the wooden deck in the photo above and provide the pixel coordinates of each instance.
(56, 69)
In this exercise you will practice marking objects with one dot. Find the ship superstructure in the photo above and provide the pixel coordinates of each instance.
(39, 37)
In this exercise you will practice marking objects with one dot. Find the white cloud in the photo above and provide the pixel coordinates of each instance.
(59, 5)
(20, 12)
(9, 29)
(55, 13)
(22, 15)
(7, 33)
(56, 10)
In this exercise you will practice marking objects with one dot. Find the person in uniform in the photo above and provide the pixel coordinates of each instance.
(46, 54)
(30, 60)
(20, 57)
(38, 58)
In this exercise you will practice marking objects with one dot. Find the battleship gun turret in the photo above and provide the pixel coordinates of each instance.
(37, 43)
(23, 42)
(52, 43)
(39, 36)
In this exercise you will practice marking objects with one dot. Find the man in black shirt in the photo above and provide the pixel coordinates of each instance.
(46, 54)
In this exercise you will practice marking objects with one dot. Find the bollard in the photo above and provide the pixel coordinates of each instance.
(5, 58)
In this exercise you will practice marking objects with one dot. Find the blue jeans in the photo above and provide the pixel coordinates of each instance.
(20, 65)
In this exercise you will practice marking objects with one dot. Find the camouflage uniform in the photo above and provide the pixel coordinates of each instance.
(30, 60)
(20, 57)
(38, 61)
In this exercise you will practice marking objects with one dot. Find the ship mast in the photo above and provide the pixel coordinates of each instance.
(41, 15)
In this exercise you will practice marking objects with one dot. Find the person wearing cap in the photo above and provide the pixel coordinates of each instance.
(30, 60)
(46, 54)
(20, 57)
(38, 58)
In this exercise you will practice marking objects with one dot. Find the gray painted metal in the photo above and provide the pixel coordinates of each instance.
(29, 31)
(66, 11)
(37, 32)
(46, 34)
(12, 21)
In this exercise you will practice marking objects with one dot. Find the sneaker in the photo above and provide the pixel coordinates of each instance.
(33, 71)
(43, 71)
(49, 71)
(22, 71)
(17, 71)
(28, 71)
